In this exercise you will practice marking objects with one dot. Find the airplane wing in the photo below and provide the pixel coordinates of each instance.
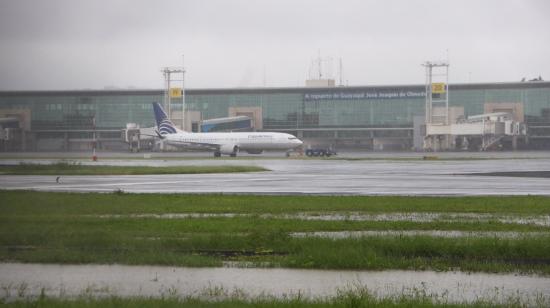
(202, 145)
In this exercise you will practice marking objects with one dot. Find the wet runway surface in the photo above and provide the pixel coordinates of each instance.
(309, 176)
(299, 176)
(293, 176)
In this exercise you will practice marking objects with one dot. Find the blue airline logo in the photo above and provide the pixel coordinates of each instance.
(164, 125)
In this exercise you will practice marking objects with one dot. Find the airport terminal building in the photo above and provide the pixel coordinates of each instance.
(370, 117)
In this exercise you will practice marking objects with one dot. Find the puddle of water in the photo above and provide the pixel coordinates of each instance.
(543, 220)
(172, 215)
(435, 233)
(29, 280)
(538, 221)
(417, 217)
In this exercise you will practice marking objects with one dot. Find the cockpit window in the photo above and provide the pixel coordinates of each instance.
(292, 138)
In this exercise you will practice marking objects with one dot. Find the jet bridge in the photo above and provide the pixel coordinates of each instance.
(485, 131)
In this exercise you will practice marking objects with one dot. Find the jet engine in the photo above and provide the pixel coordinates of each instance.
(228, 149)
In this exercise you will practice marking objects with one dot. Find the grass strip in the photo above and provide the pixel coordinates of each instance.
(216, 297)
(77, 169)
(68, 228)
(271, 248)
(181, 227)
(48, 203)
(350, 301)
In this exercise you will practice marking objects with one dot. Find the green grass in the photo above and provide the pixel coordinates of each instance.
(64, 168)
(99, 203)
(341, 302)
(221, 298)
(78, 228)
(276, 248)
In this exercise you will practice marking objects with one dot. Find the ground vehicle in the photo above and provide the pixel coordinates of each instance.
(320, 152)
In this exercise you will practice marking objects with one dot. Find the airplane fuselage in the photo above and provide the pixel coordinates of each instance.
(222, 143)
(227, 143)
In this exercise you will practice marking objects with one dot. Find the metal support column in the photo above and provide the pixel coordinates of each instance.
(167, 72)
(441, 88)
(437, 95)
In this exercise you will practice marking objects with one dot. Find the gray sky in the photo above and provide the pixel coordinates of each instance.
(71, 44)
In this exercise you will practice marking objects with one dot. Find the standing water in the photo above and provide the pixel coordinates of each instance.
(30, 280)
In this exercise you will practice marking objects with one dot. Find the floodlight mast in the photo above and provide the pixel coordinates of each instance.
(429, 90)
(167, 72)
(183, 92)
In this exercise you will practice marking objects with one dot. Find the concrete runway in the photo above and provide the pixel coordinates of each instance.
(290, 176)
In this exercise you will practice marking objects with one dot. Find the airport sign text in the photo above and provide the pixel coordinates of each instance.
(363, 95)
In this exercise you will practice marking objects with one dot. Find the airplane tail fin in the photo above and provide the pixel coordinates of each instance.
(164, 125)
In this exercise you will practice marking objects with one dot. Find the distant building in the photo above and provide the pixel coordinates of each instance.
(371, 118)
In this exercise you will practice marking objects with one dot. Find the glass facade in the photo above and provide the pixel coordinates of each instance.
(283, 108)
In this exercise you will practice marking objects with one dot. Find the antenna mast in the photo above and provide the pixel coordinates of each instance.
(340, 73)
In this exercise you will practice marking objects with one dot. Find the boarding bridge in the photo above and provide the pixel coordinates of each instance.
(489, 128)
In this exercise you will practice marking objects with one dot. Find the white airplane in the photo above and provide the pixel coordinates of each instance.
(222, 143)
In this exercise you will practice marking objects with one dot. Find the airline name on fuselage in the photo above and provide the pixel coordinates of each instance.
(259, 136)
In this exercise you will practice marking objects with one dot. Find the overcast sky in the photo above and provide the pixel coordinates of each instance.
(71, 44)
